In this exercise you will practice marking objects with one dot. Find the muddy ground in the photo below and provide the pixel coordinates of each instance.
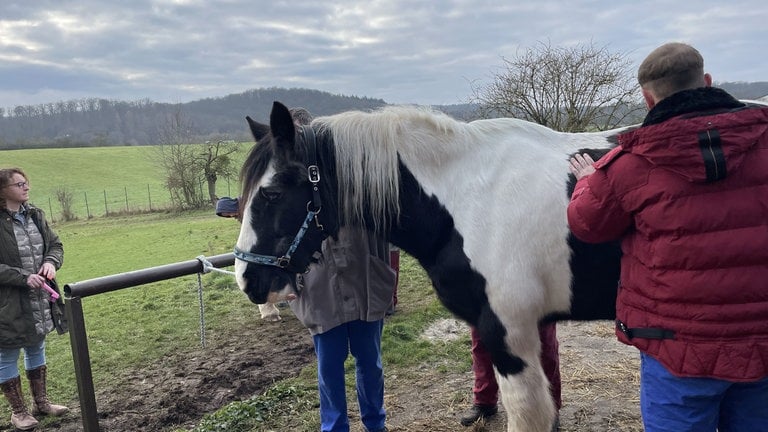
(600, 384)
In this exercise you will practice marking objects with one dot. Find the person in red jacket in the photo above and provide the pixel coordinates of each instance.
(687, 194)
(485, 392)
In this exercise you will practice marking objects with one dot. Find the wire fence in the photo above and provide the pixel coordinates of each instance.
(103, 202)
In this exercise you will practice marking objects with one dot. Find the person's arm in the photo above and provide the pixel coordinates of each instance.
(594, 214)
(53, 256)
(13, 276)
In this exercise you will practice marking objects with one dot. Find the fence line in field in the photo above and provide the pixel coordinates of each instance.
(95, 202)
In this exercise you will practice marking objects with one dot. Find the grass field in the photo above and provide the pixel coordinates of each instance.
(137, 325)
(101, 179)
(132, 327)
(427, 383)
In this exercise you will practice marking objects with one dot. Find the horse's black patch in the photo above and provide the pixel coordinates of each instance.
(439, 248)
(595, 270)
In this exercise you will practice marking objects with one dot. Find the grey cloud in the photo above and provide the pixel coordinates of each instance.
(400, 51)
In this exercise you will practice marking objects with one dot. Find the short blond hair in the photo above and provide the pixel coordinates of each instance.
(671, 68)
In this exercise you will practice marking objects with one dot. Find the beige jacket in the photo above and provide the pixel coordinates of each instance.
(352, 281)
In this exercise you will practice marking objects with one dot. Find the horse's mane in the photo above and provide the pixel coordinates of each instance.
(366, 149)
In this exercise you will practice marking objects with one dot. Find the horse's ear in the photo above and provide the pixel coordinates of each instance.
(258, 130)
(281, 122)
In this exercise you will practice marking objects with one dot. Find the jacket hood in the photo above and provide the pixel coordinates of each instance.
(699, 134)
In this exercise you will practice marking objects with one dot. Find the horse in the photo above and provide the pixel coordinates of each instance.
(480, 205)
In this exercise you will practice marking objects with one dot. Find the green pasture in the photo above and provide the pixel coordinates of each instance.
(102, 180)
(131, 328)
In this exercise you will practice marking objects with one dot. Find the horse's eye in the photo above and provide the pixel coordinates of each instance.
(269, 194)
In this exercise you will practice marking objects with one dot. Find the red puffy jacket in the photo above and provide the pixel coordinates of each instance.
(689, 198)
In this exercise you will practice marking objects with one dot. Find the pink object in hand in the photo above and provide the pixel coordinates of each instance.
(51, 291)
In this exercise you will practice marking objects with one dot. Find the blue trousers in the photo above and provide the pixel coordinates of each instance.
(34, 357)
(363, 340)
(673, 404)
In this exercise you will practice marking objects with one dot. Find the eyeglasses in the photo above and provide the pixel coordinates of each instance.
(19, 185)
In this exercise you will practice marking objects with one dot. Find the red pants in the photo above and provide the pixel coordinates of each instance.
(486, 389)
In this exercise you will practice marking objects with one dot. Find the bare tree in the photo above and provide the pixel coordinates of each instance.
(187, 166)
(65, 198)
(569, 89)
(180, 161)
(216, 162)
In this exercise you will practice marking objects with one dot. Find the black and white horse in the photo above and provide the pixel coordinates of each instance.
(480, 205)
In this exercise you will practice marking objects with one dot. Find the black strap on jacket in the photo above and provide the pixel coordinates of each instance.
(645, 332)
(712, 152)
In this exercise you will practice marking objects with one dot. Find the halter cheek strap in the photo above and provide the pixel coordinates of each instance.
(313, 172)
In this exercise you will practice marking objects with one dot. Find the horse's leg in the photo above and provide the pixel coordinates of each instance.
(269, 312)
(515, 349)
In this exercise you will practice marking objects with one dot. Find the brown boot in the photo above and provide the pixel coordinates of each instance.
(20, 419)
(39, 394)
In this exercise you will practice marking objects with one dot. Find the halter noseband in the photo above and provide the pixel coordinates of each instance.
(313, 208)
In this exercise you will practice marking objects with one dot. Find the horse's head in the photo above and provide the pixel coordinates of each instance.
(284, 204)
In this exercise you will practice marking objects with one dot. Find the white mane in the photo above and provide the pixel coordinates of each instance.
(367, 146)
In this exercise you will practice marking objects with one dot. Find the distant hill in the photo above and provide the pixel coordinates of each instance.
(101, 122)
(745, 90)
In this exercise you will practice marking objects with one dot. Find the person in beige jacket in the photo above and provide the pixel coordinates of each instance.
(342, 300)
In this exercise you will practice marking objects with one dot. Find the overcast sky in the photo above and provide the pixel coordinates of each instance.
(424, 52)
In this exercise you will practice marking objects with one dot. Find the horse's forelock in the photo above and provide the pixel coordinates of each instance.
(255, 166)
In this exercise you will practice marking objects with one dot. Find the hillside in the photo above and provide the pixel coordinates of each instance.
(102, 122)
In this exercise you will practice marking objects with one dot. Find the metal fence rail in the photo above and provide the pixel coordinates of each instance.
(75, 292)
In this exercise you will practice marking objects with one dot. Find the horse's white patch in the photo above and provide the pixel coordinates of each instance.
(504, 184)
(502, 180)
(247, 238)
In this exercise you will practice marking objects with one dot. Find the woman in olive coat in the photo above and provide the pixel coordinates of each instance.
(30, 306)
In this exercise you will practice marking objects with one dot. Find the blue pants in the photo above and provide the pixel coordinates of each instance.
(363, 340)
(673, 404)
(34, 357)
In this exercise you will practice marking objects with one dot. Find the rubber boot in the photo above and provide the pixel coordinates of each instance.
(21, 419)
(39, 394)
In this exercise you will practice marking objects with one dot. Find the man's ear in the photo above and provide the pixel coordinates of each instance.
(650, 101)
(708, 80)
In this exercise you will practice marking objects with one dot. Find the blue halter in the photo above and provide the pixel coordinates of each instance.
(313, 173)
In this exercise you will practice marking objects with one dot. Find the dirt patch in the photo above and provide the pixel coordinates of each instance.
(179, 389)
(600, 383)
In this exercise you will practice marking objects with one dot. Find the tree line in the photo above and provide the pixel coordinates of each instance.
(94, 122)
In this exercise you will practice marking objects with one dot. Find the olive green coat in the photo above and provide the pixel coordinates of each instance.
(26, 315)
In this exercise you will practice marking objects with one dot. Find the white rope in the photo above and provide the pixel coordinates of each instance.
(208, 267)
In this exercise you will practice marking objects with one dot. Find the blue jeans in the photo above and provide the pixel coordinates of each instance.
(34, 357)
(363, 340)
(669, 403)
